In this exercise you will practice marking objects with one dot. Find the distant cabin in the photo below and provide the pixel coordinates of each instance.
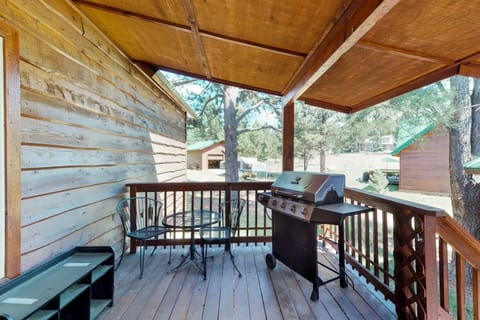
(205, 155)
(472, 167)
(423, 156)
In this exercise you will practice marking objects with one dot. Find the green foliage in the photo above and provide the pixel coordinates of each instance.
(378, 181)
(430, 104)
(312, 130)
(257, 116)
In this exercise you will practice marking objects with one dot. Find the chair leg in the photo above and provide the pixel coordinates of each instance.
(204, 259)
(233, 260)
(170, 254)
(154, 248)
(121, 255)
(142, 258)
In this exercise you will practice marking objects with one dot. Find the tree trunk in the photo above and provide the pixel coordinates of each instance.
(464, 190)
(230, 95)
(322, 158)
(475, 138)
(306, 155)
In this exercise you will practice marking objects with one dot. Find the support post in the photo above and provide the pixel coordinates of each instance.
(288, 136)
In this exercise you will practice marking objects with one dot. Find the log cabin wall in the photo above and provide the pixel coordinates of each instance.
(91, 122)
(424, 165)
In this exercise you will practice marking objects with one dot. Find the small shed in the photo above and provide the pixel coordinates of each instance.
(205, 154)
(423, 154)
(472, 167)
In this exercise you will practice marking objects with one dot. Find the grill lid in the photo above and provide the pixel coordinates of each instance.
(308, 186)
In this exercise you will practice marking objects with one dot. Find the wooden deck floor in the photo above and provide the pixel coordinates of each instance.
(260, 294)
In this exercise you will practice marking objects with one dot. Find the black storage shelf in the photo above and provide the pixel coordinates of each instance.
(75, 285)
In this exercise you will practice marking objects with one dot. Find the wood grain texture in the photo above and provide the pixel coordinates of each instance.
(11, 136)
(92, 121)
(424, 164)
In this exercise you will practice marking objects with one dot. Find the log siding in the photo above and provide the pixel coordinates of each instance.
(91, 122)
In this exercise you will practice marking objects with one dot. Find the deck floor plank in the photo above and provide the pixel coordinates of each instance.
(255, 299)
(138, 304)
(260, 293)
(270, 300)
(212, 298)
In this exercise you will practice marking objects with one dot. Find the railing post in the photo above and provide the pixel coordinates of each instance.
(430, 270)
(415, 266)
(228, 198)
(133, 242)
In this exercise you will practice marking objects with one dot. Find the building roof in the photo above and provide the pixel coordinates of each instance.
(473, 167)
(408, 136)
(203, 145)
(342, 55)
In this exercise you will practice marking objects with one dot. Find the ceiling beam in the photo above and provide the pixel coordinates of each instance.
(402, 52)
(327, 105)
(196, 37)
(356, 21)
(470, 70)
(217, 80)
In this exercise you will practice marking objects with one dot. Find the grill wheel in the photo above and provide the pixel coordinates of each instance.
(270, 261)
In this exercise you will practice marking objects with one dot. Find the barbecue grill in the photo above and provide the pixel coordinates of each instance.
(299, 202)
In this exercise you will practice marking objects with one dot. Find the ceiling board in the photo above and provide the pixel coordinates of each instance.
(376, 71)
(254, 67)
(442, 28)
(166, 10)
(148, 41)
(344, 55)
(273, 23)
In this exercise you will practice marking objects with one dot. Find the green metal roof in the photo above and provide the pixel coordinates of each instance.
(202, 145)
(472, 167)
(410, 138)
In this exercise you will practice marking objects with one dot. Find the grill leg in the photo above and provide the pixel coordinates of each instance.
(341, 256)
(314, 295)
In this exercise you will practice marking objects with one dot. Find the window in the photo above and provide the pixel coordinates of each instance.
(9, 153)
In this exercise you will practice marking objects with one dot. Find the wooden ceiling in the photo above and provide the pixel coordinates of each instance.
(343, 55)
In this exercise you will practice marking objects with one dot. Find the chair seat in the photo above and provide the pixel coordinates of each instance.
(147, 233)
(212, 234)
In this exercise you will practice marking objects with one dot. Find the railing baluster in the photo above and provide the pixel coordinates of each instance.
(386, 278)
(460, 286)
(359, 237)
(367, 240)
(375, 243)
(443, 274)
(476, 294)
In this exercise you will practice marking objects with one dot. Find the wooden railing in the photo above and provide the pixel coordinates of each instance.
(402, 248)
(255, 225)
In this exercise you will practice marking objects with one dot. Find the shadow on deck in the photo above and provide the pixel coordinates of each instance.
(260, 294)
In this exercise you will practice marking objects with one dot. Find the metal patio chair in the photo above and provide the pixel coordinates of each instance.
(222, 234)
(140, 218)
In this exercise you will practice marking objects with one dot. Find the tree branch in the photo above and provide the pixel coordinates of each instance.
(258, 129)
(247, 111)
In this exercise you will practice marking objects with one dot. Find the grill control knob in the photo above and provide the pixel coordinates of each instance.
(274, 202)
(293, 208)
(303, 210)
(283, 205)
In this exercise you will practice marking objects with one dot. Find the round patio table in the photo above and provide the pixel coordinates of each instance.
(191, 220)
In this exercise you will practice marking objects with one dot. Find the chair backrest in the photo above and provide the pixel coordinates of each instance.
(139, 212)
(236, 209)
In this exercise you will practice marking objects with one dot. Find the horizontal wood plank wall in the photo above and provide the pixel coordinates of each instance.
(91, 123)
(424, 165)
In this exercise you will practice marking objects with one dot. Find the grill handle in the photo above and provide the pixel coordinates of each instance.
(289, 194)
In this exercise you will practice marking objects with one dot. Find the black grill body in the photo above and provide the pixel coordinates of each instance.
(299, 202)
